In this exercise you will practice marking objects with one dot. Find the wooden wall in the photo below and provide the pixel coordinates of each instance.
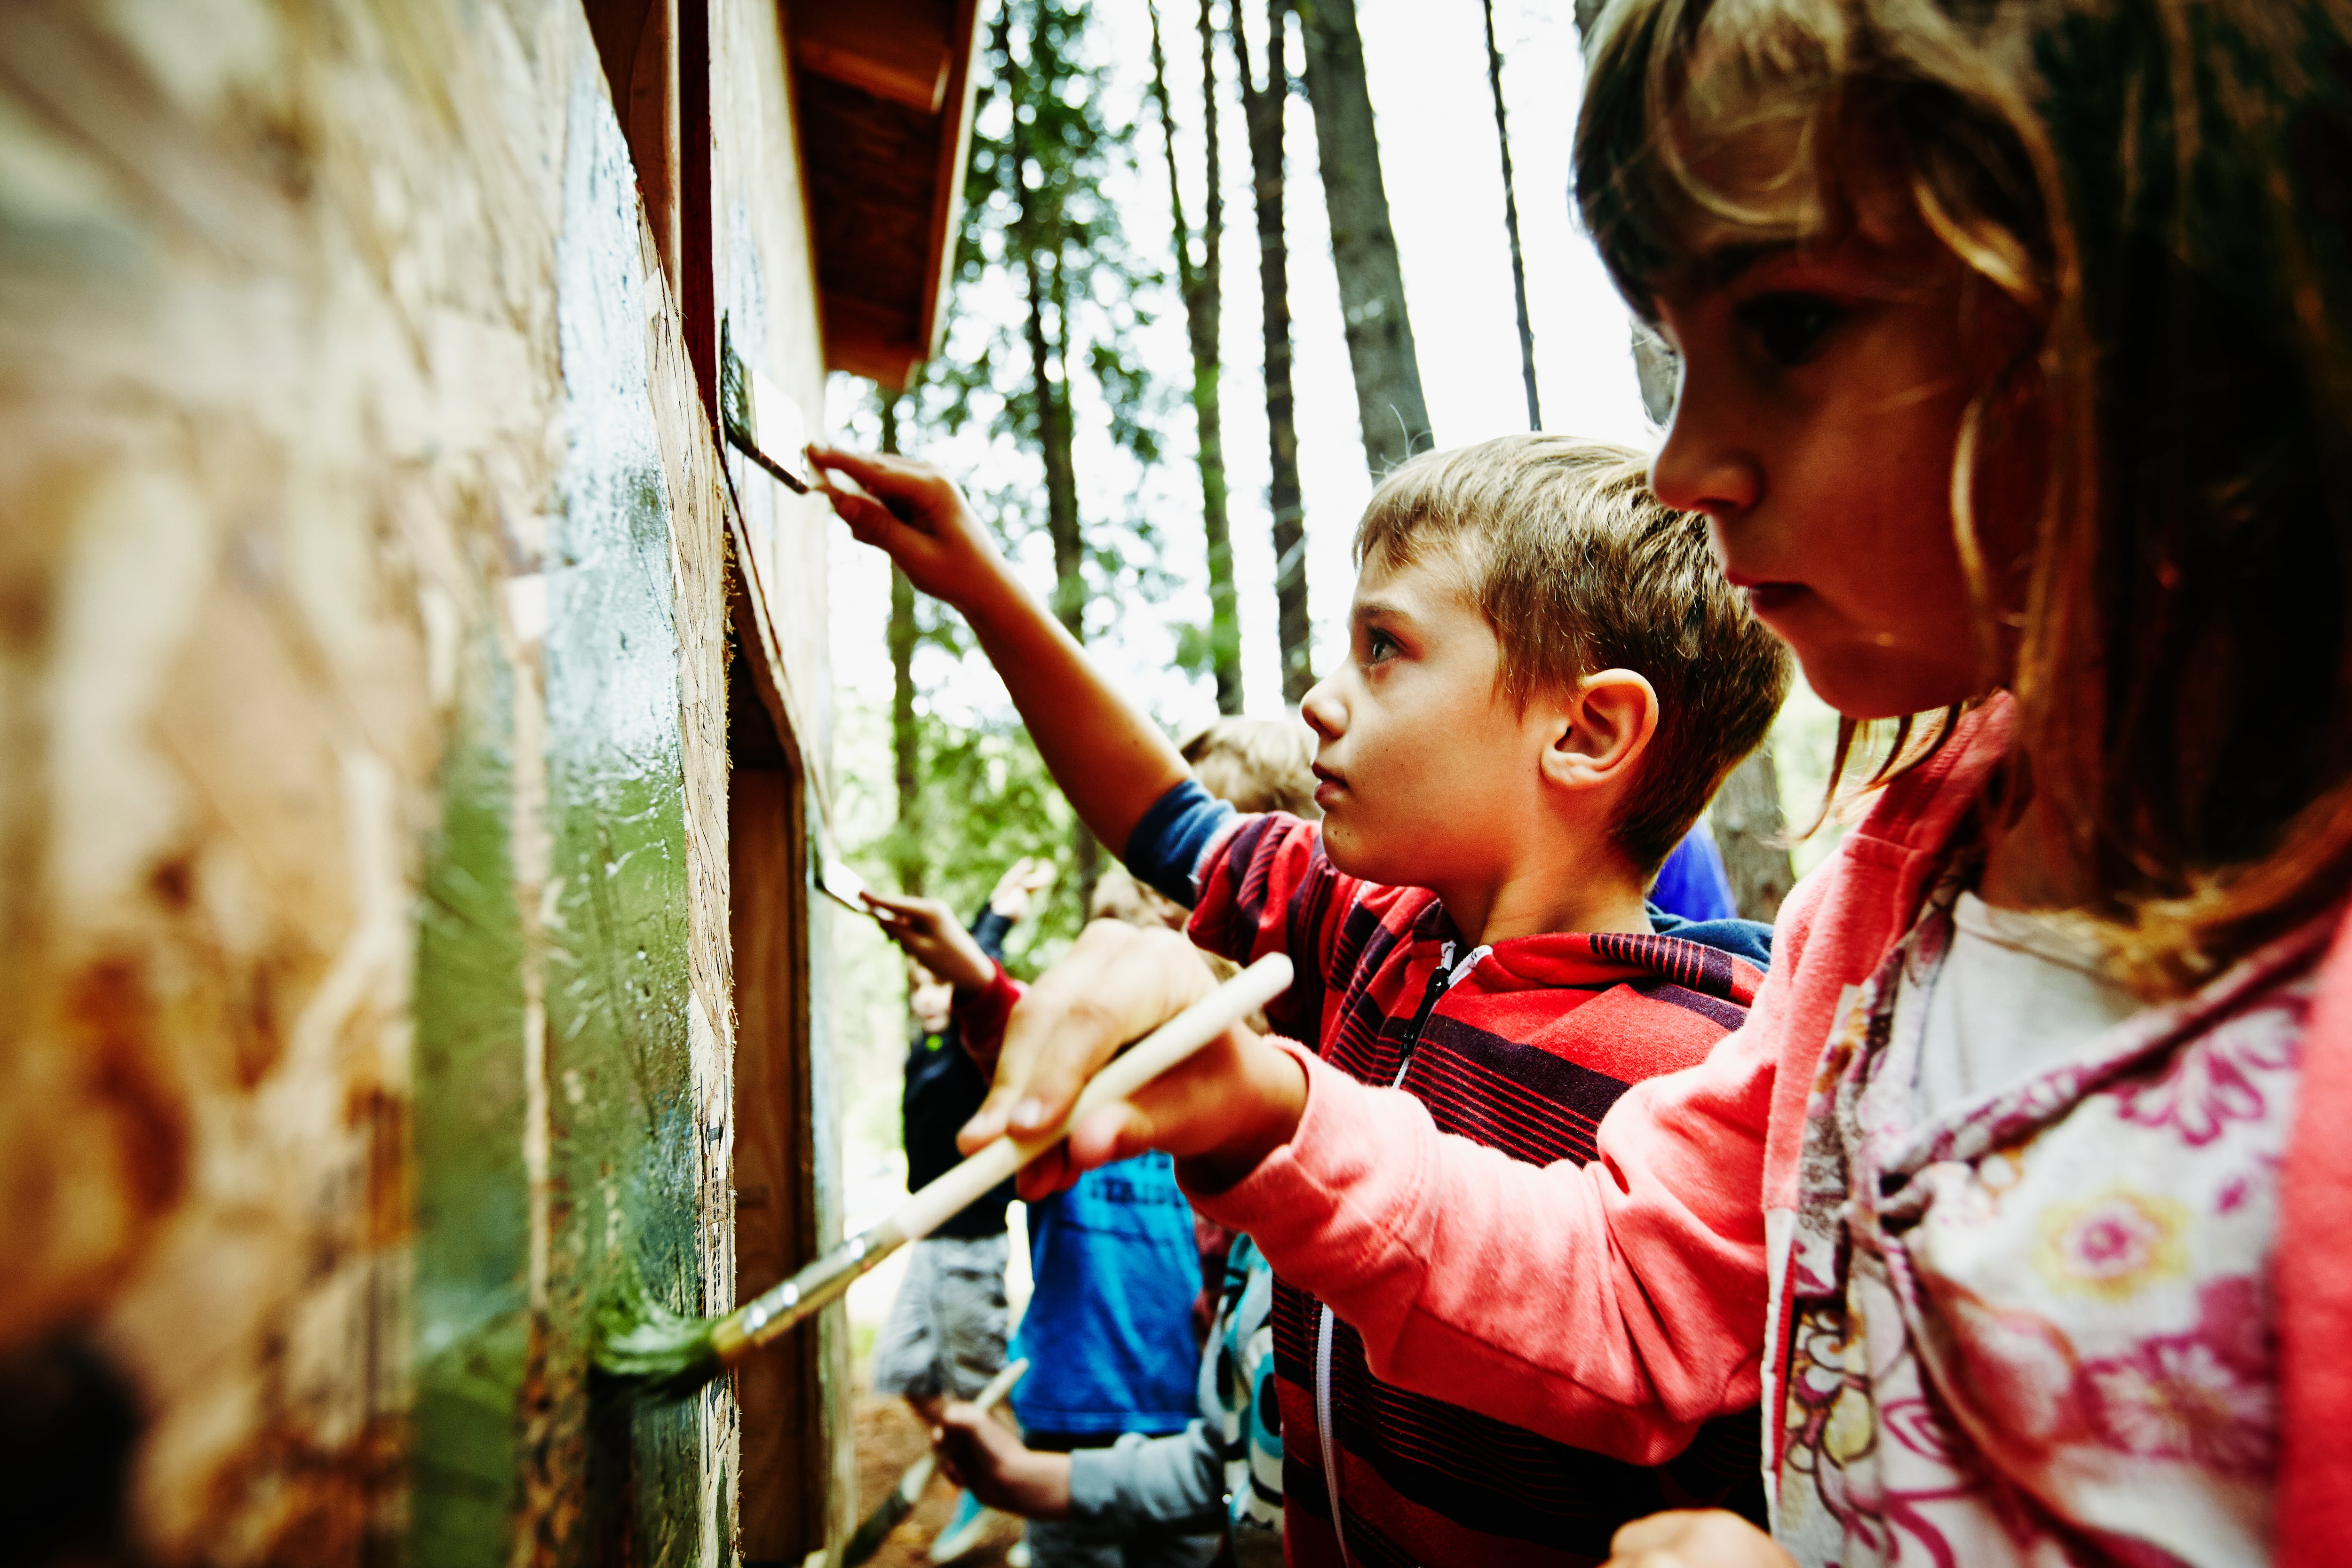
(366, 866)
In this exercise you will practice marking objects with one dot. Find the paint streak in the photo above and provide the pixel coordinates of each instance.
(626, 1159)
(473, 1321)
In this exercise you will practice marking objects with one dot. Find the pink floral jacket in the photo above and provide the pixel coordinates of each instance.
(1618, 1303)
(2036, 1328)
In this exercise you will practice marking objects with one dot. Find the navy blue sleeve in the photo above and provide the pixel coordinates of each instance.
(1748, 939)
(1171, 837)
(989, 929)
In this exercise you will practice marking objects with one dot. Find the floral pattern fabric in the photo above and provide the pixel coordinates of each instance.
(2036, 1328)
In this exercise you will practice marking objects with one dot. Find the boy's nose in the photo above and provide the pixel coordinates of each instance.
(1323, 711)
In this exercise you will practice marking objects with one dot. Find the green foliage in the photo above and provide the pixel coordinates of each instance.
(992, 802)
(1036, 216)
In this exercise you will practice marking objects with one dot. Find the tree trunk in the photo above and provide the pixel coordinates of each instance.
(1201, 287)
(1511, 223)
(906, 739)
(1262, 107)
(1051, 412)
(1389, 405)
(1746, 818)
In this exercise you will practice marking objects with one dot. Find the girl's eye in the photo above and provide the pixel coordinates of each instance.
(1788, 326)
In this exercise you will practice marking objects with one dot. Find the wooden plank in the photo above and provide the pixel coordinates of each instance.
(782, 1508)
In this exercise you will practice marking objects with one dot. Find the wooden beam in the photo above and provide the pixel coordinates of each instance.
(638, 42)
(947, 201)
(898, 50)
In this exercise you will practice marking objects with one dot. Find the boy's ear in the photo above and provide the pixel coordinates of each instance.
(1606, 727)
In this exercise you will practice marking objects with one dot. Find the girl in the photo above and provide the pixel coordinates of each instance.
(2017, 388)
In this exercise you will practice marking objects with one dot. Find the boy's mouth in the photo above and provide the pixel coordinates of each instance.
(1330, 785)
(1764, 597)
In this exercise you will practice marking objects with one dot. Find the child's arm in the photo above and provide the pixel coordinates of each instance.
(1142, 1487)
(927, 932)
(1615, 1305)
(1109, 758)
(1218, 1111)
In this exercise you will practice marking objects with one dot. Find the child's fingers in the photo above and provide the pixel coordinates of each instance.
(1112, 1133)
(1696, 1537)
(886, 477)
(1048, 1174)
(917, 912)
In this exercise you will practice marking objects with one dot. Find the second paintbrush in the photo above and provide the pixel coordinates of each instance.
(674, 1355)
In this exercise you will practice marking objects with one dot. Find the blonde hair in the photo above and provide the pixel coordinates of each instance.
(1257, 764)
(1580, 569)
(2165, 184)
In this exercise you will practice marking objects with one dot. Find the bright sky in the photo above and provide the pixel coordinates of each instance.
(1427, 66)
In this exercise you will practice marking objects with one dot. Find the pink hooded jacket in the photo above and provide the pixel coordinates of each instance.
(1621, 1303)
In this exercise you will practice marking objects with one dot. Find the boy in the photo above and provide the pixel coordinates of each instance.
(1548, 679)
(1222, 1476)
(945, 1337)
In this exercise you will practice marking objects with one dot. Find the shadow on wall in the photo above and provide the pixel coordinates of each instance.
(67, 1424)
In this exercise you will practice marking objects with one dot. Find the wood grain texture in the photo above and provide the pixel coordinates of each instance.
(364, 844)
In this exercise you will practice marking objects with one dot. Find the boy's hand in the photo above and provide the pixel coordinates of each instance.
(1021, 881)
(981, 1455)
(931, 935)
(1696, 1539)
(914, 514)
(1220, 1112)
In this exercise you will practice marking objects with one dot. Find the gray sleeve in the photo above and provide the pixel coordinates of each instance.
(1172, 1482)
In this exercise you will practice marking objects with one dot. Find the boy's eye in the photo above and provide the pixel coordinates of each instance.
(1788, 326)
(1378, 645)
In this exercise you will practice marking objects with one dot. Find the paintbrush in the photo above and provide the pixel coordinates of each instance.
(669, 1355)
(900, 1501)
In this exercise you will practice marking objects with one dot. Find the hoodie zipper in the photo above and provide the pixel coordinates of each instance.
(1442, 979)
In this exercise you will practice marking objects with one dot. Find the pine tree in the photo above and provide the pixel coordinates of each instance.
(1202, 284)
(1388, 404)
(1262, 106)
(1511, 222)
(1036, 210)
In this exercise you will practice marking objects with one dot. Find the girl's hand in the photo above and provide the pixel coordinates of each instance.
(1021, 881)
(914, 514)
(1696, 1539)
(981, 1455)
(931, 935)
(1220, 1112)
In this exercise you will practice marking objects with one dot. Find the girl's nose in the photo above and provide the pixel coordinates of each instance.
(1702, 467)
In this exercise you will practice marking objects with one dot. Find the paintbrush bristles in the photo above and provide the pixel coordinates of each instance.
(668, 1353)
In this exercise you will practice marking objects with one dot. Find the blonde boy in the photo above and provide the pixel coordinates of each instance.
(1546, 680)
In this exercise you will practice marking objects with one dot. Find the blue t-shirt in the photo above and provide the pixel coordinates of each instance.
(1108, 1332)
(1692, 883)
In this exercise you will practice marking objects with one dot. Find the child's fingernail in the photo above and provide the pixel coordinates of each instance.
(1030, 1112)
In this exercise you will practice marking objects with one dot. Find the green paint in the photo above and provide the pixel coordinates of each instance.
(472, 1327)
(626, 1132)
(502, 1398)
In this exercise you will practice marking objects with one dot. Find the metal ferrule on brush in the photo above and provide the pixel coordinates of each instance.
(777, 1311)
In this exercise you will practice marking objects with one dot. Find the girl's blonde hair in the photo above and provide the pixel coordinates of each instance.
(2167, 185)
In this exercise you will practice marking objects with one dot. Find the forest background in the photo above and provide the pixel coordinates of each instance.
(1069, 209)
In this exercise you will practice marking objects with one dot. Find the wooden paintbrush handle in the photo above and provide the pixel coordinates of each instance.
(1154, 1054)
(773, 1311)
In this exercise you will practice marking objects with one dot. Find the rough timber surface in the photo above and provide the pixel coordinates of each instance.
(363, 872)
